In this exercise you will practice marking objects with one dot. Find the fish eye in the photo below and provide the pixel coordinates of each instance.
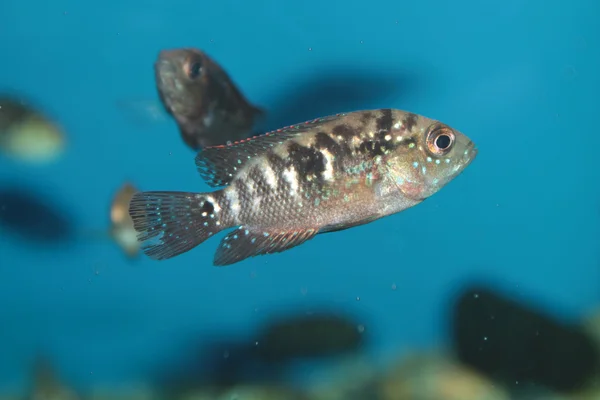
(440, 140)
(194, 69)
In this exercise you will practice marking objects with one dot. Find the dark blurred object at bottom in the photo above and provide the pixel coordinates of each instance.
(518, 346)
(309, 336)
(264, 358)
(32, 215)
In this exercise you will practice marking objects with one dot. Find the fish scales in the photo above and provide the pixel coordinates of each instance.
(284, 187)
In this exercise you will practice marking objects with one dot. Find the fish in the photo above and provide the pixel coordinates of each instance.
(203, 99)
(121, 226)
(120, 230)
(280, 189)
(34, 215)
(26, 134)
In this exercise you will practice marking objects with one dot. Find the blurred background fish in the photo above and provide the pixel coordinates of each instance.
(33, 215)
(203, 99)
(312, 335)
(120, 230)
(26, 134)
(267, 357)
(121, 224)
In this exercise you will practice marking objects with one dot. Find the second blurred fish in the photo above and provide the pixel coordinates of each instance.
(121, 227)
(121, 230)
(26, 134)
(202, 98)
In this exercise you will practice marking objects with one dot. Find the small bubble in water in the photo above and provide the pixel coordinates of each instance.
(310, 49)
(225, 354)
(256, 343)
(361, 42)
(360, 328)
(357, 298)
(303, 291)
(476, 295)
(485, 338)
(394, 287)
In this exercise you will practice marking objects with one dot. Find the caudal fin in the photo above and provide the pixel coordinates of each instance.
(171, 223)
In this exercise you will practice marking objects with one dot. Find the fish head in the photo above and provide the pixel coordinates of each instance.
(183, 79)
(427, 155)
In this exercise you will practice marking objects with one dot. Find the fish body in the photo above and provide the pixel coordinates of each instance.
(284, 187)
(26, 134)
(208, 107)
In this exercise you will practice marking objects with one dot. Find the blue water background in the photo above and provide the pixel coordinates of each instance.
(519, 78)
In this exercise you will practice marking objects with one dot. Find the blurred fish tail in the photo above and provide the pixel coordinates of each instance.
(259, 112)
(172, 223)
(259, 118)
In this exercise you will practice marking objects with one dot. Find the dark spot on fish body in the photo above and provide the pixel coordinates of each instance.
(345, 131)
(277, 163)
(208, 207)
(306, 160)
(325, 142)
(371, 148)
(385, 122)
(341, 152)
(410, 121)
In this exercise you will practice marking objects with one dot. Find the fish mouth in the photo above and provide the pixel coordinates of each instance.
(470, 154)
(163, 66)
(165, 74)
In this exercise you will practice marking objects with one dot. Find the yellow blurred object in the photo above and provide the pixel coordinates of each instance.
(251, 393)
(27, 135)
(46, 385)
(435, 377)
(122, 230)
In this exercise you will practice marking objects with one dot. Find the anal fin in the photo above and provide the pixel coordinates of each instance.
(344, 226)
(245, 242)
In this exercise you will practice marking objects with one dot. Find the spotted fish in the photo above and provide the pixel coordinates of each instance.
(284, 187)
(202, 98)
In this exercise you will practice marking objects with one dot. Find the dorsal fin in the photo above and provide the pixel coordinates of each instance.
(218, 164)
